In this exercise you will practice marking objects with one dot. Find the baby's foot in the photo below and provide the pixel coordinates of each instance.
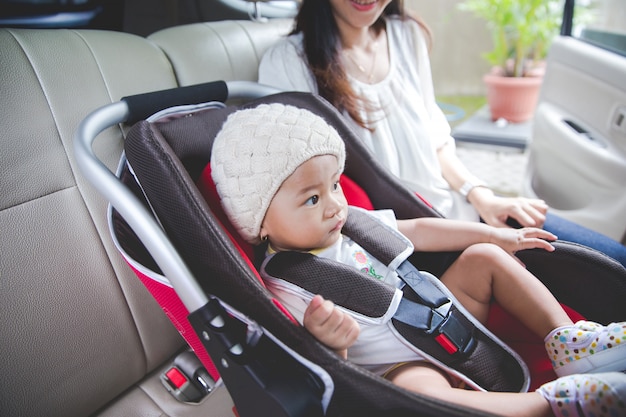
(587, 347)
(587, 395)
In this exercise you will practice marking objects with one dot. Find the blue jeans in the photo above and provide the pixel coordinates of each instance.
(572, 232)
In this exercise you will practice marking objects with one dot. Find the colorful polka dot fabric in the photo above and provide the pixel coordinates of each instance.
(587, 395)
(587, 347)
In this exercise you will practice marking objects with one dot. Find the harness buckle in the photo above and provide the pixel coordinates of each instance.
(453, 332)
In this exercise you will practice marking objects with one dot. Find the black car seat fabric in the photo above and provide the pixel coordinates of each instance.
(173, 155)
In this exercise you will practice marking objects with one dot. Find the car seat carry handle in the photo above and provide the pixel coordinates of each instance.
(127, 204)
(141, 106)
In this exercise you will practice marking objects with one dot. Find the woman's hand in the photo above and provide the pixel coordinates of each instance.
(514, 240)
(495, 210)
(331, 326)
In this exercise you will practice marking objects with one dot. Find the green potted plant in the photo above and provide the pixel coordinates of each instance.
(521, 31)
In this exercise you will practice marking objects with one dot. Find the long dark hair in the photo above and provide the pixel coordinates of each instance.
(322, 47)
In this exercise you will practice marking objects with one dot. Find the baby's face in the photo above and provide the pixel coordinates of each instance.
(309, 209)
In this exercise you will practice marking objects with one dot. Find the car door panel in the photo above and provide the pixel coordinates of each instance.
(577, 157)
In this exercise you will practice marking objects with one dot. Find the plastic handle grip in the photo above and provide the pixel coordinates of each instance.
(141, 106)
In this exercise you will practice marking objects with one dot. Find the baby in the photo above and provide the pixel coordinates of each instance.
(277, 171)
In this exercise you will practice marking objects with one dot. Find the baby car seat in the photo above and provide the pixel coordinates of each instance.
(169, 226)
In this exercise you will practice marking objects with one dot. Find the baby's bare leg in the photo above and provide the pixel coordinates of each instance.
(485, 272)
(424, 378)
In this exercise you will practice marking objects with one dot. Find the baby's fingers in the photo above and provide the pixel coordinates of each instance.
(531, 232)
(535, 238)
(318, 312)
(330, 325)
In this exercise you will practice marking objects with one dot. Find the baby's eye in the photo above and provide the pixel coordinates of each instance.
(336, 186)
(313, 200)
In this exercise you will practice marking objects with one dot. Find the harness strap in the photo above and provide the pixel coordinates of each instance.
(414, 314)
(373, 236)
(337, 282)
(424, 306)
(446, 332)
(423, 288)
(435, 313)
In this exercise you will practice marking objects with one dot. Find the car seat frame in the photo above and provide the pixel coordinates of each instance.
(323, 394)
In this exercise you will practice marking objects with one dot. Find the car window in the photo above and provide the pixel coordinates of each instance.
(95, 14)
(136, 16)
(602, 23)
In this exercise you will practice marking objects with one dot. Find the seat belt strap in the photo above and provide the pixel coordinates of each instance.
(444, 332)
(414, 314)
(428, 293)
(434, 313)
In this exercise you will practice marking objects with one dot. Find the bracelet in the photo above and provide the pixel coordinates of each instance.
(468, 186)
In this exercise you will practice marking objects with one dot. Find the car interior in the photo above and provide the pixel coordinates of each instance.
(82, 336)
(591, 130)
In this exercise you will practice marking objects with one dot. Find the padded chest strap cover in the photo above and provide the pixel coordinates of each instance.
(427, 314)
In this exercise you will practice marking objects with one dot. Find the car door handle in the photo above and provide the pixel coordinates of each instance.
(583, 132)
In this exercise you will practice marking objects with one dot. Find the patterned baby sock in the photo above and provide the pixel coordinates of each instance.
(587, 395)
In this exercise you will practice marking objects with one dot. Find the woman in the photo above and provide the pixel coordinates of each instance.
(370, 60)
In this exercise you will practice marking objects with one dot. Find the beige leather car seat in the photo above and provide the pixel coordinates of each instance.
(79, 334)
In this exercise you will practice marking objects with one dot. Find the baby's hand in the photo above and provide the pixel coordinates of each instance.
(513, 240)
(331, 326)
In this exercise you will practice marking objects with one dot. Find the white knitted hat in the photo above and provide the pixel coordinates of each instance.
(257, 150)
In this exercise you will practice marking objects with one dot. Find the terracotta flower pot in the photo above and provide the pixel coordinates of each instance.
(512, 98)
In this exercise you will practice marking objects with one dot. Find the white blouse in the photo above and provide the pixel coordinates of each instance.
(409, 128)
